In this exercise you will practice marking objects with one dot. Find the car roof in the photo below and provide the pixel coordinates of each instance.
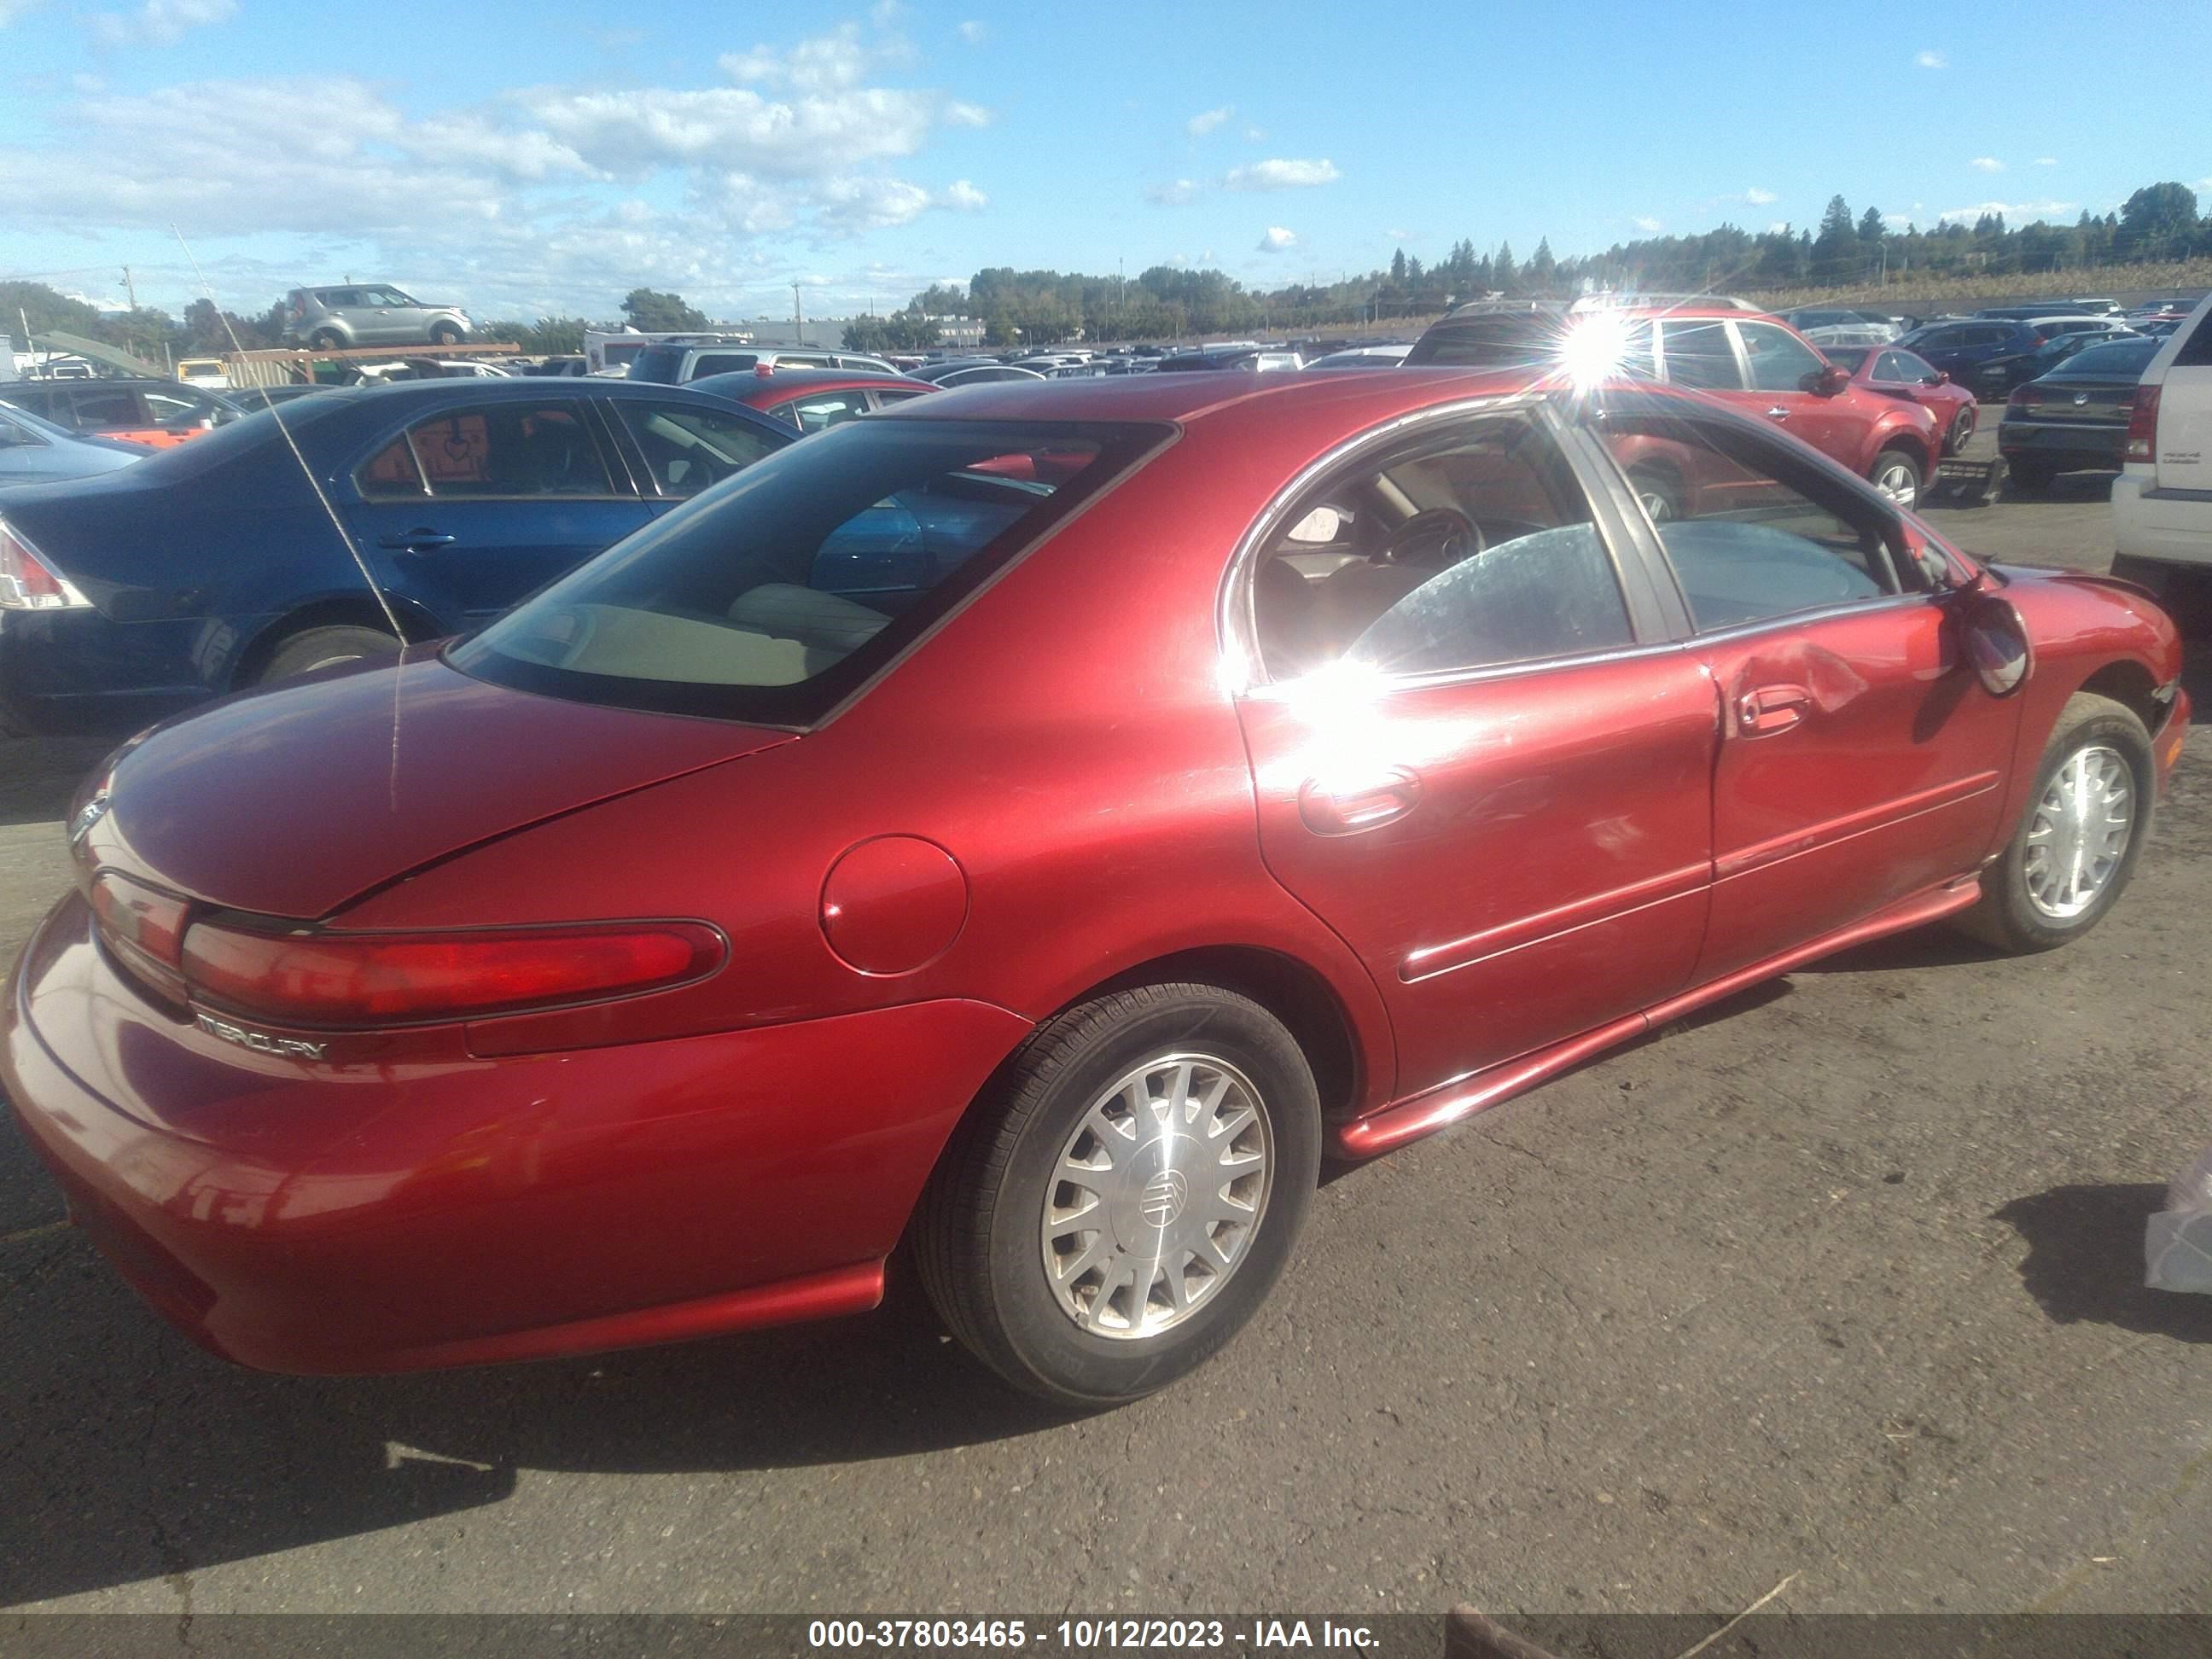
(750, 386)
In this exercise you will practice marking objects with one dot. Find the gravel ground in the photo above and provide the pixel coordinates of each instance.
(1841, 1279)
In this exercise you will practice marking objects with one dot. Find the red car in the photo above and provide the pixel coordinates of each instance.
(812, 399)
(1723, 348)
(1040, 824)
(1894, 371)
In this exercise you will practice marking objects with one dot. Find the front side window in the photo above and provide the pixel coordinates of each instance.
(1469, 549)
(687, 448)
(776, 595)
(170, 412)
(1701, 356)
(1779, 360)
(1752, 530)
(503, 449)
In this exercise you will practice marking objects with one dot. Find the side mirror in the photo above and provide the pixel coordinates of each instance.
(1941, 377)
(1830, 381)
(1996, 642)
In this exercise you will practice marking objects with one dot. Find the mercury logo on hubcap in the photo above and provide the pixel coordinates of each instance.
(1163, 1197)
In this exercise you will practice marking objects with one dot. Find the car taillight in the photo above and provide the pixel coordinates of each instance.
(28, 582)
(144, 927)
(2143, 424)
(367, 979)
(2025, 397)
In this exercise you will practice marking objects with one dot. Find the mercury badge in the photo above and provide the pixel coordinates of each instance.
(260, 1041)
(2080, 398)
(87, 815)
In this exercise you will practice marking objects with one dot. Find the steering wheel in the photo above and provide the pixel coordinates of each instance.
(1435, 539)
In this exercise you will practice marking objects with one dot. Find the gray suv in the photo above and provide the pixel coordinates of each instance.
(368, 313)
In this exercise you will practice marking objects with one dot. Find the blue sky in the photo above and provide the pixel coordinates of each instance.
(531, 157)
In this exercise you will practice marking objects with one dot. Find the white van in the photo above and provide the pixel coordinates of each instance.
(2162, 502)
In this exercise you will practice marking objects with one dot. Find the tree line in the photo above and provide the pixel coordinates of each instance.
(2159, 221)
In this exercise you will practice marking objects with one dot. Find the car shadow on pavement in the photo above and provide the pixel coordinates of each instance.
(39, 775)
(134, 1456)
(2085, 1261)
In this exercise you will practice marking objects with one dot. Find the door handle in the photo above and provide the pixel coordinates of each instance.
(416, 541)
(1367, 800)
(1777, 413)
(1770, 709)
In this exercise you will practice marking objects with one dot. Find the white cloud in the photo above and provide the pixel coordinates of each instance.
(1986, 164)
(632, 132)
(2017, 212)
(1776, 227)
(974, 34)
(1178, 194)
(1279, 174)
(2047, 160)
(1205, 122)
(1644, 222)
(1931, 60)
(1758, 198)
(11, 9)
(957, 114)
(962, 197)
(1278, 239)
(1256, 134)
(157, 22)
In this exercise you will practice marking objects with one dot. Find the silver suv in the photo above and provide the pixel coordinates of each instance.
(368, 313)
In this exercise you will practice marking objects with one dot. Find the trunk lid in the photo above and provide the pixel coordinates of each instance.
(2082, 402)
(294, 800)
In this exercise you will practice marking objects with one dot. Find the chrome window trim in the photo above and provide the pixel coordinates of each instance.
(1392, 684)
(1818, 613)
(1236, 625)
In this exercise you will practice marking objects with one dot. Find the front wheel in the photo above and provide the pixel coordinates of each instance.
(1127, 1195)
(2077, 844)
(445, 334)
(327, 339)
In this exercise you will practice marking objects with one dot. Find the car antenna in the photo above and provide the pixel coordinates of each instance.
(276, 410)
(276, 413)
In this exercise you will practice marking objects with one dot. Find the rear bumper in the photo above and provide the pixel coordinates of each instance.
(79, 671)
(321, 1219)
(2171, 527)
(2056, 443)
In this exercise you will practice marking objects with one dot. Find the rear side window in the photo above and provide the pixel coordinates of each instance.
(774, 597)
(820, 410)
(2195, 351)
(722, 362)
(1700, 356)
(120, 407)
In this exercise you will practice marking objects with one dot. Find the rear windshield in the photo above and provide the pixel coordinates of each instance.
(661, 363)
(1847, 357)
(2124, 359)
(777, 594)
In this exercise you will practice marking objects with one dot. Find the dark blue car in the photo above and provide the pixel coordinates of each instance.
(1989, 355)
(215, 565)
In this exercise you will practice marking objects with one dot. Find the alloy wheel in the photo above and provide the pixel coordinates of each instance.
(1897, 480)
(1156, 1197)
(2078, 836)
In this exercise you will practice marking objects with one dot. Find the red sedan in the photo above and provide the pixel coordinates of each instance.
(813, 399)
(1891, 371)
(1042, 823)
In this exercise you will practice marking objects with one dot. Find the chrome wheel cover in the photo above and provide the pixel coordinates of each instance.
(1894, 479)
(1156, 1200)
(2078, 832)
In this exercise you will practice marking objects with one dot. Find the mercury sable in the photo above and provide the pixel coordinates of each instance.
(1042, 825)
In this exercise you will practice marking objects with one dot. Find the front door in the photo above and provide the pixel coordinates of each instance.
(469, 509)
(1476, 757)
(1860, 760)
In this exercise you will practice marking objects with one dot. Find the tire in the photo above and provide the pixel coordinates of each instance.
(986, 1226)
(2029, 477)
(327, 339)
(2110, 741)
(1962, 429)
(1660, 493)
(445, 334)
(324, 647)
(1897, 474)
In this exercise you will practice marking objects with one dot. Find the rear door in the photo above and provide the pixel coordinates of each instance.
(1477, 756)
(471, 508)
(1860, 760)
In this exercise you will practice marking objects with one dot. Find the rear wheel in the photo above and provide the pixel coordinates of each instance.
(1897, 475)
(1962, 429)
(445, 334)
(2075, 845)
(1127, 1196)
(2030, 477)
(326, 339)
(325, 647)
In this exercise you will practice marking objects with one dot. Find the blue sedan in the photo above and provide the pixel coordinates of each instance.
(36, 451)
(224, 564)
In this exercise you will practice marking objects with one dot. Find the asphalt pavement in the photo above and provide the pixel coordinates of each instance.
(1839, 1283)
